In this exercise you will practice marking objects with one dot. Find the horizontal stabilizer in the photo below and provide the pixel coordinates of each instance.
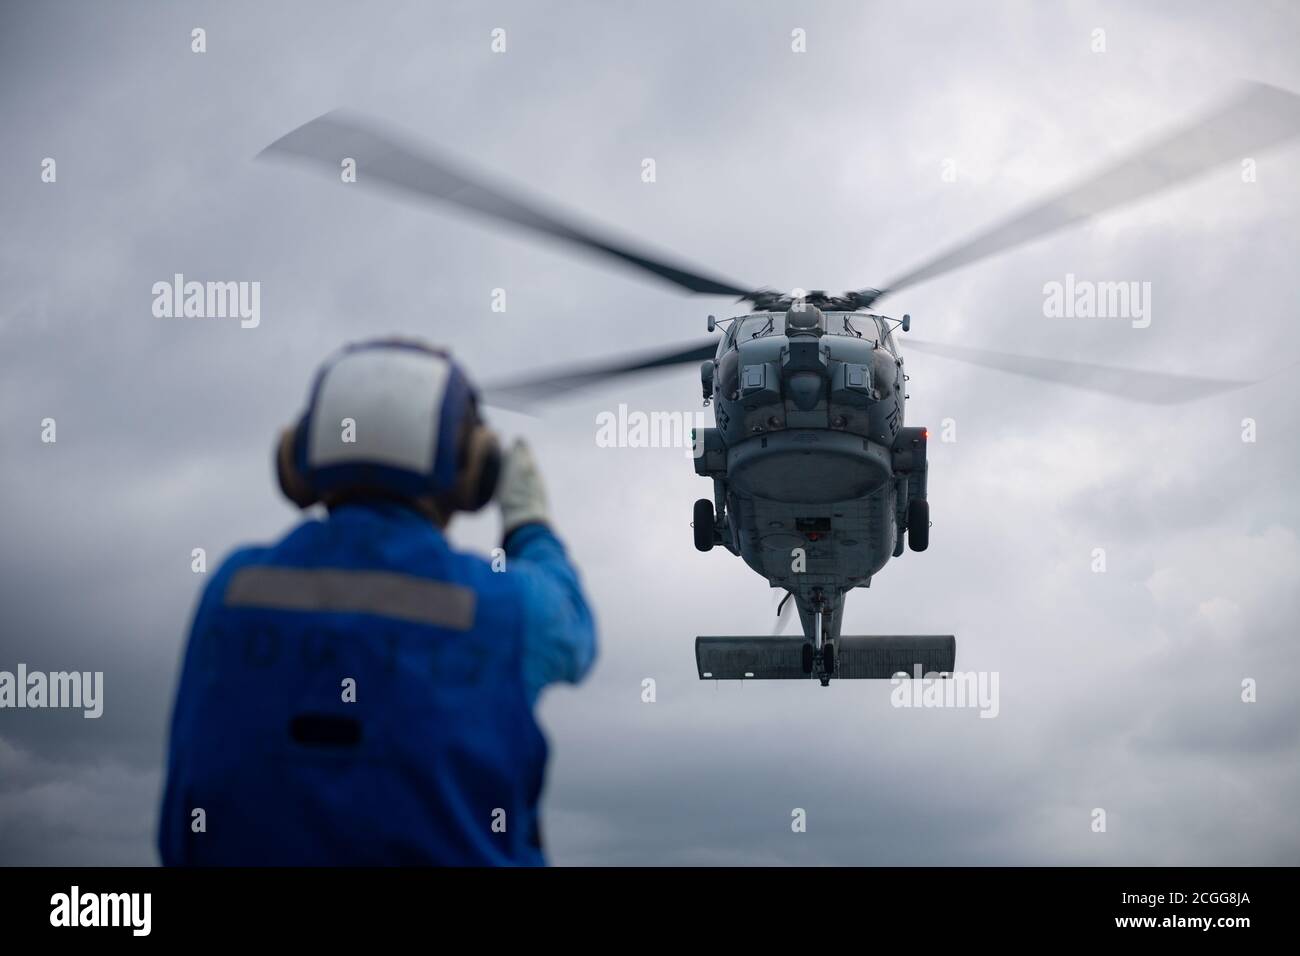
(883, 657)
(757, 658)
(776, 658)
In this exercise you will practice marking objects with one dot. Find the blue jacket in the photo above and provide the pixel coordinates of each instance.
(360, 693)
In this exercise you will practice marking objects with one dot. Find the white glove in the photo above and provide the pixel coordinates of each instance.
(519, 492)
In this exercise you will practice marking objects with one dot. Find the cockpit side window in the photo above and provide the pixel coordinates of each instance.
(728, 339)
(886, 336)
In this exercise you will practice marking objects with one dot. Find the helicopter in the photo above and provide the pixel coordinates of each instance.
(817, 480)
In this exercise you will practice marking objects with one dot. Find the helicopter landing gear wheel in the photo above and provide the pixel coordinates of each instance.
(808, 659)
(918, 524)
(703, 525)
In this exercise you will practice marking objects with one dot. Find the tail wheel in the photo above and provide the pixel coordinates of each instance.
(703, 525)
(918, 524)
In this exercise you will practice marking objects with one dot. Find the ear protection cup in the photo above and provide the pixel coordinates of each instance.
(295, 487)
(480, 469)
(490, 473)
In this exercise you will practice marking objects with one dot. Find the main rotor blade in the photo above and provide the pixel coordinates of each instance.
(381, 158)
(1153, 388)
(1257, 117)
(560, 382)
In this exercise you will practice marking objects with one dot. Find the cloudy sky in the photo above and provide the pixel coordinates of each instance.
(1119, 690)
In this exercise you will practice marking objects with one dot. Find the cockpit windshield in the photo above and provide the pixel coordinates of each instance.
(757, 326)
(852, 324)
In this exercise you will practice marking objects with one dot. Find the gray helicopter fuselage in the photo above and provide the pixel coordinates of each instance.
(813, 468)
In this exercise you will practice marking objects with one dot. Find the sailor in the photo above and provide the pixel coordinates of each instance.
(360, 692)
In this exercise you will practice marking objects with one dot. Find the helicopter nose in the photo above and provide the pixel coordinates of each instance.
(804, 389)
